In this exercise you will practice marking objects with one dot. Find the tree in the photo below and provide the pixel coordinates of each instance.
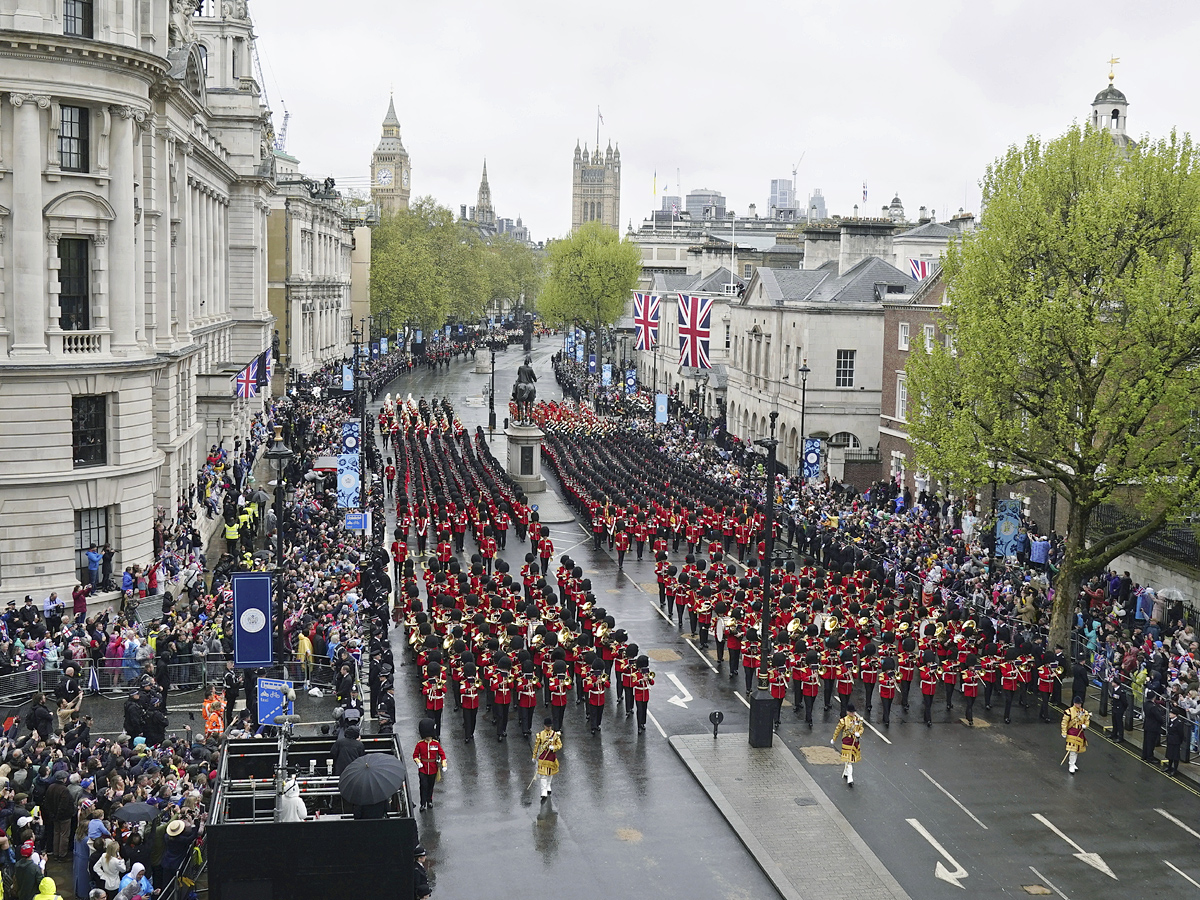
(1074, 359)
(427, 268)
(591, 275)
(515, 274)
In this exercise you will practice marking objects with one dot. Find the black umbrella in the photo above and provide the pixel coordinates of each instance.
(136, 812)
(371, 779)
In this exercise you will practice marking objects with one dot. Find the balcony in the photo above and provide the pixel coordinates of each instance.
(75, 344)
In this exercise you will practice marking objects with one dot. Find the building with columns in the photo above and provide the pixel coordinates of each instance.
(309, 246)
(134, 184)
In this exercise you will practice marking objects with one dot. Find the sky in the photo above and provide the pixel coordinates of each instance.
(912, 98)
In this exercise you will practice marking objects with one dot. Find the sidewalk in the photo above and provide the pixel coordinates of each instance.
(785, 820)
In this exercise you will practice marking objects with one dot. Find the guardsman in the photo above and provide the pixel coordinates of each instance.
(929, 681)
(851, 729)
(527, 684)
(560, 687)
(502, 688)
(778, 677)
(887, 687)
(596, 685)
(468, 698)
(622, 544)
(434, 688)
(1047, 673)
(868, 671)
(429, 757)
(1074, 730)
(970, 684)
(546, 746)
(750, 657)
(1009, 680)
(643, 680)
(906, 669)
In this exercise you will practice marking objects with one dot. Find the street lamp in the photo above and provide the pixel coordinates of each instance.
(762, 706)
(804, 370)
(279, 455)
(492, 396)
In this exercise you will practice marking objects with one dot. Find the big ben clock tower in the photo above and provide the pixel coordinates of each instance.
(390, 172)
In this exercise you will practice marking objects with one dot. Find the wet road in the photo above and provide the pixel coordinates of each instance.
(986, 808)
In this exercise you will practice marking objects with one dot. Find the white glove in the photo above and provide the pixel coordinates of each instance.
(831, 740)
(445, 765)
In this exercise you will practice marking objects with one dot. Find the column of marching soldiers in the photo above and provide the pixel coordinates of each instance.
(840, 623)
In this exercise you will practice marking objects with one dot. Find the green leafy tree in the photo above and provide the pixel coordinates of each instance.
(590, 276)
(1074, 359)
(427, 268)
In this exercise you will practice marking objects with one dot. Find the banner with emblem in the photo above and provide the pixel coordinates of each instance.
(1008, 525)
(347, 378)
(606, 375)
(631, 381)
(383, 346)
(812, 458)
(348, 471)
(660, 409)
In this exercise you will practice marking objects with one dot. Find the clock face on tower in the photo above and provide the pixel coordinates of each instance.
(384, 176)
(404, 177)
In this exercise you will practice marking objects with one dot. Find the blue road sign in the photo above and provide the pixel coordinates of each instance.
(356, 521)
(272, 700)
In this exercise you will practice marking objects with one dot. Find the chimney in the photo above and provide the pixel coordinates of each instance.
(462, 211)
(752, 212)
(922, 216)
(860, 240)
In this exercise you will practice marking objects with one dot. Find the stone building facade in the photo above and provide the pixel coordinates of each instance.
(309, 247)
(596, 187)
(133, 203)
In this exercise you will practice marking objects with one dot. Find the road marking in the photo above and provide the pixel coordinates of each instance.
(687, 695)
(1184, 874)
(878, 733)
(1184, 826)
(701, 654)
(1092, 859)
(745, 702)
(650, 716)
(952, 797)
(940, 871)
(1049, 883)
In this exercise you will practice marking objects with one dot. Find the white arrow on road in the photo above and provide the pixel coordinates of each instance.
(1092, 859)
(1171, 818)
(959, 873)
(687, 695)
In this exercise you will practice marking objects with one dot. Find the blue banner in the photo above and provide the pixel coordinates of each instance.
(631, 381)
(347, 378)
(1008, 526)
(570, 344)
(591, 363)
(348, 472)
(417, 339)
(579, 352)
(447, 331)
(383, 346)
(375, 350)
(252, 626)
(660, 409)
(812, 458)
(606, 375)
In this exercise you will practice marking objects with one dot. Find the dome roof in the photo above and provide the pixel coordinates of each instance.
(1109, 95)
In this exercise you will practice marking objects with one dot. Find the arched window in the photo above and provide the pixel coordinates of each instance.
(203, 58)
(845, 439)
(1116, 118)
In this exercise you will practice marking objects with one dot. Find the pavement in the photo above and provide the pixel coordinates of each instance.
(986, 810)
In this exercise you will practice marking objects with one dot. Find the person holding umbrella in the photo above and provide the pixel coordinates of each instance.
(428, 755)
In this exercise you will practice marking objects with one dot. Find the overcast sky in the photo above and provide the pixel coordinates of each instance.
(913, 97)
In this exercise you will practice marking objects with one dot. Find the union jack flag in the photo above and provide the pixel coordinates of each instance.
(920, 269)
(695, 316)
(247, 382)
(645, 320)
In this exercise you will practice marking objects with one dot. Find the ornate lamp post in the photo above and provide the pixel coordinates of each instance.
(492, 395)
(804, 370)
(762, 706)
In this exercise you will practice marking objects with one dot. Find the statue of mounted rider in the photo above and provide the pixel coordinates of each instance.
(525, 390)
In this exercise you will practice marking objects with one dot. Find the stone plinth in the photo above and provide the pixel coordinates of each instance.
(525, 457)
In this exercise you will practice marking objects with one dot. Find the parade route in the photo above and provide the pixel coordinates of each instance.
(630, 814)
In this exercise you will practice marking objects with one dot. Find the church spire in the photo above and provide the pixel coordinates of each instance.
(391, 118)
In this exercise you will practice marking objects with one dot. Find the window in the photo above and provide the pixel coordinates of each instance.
(73, 277)
(203, 59)
(726, 335)
(845, 439)
(844, 374)
(901, 397)
(73, 139)
(77, 18)
(903, 345)
(91, 527)
(89, 439)
(929, 338)
(747, 270)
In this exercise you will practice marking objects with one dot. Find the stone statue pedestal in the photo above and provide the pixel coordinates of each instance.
(483, 365)
(525, 456)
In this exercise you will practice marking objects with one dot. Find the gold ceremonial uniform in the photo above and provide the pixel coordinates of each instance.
(1074, 728)
(851, 728)
(546, 744)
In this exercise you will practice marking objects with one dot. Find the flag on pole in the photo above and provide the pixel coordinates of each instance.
(261, 379)
(920, 269)
(864, 192)
(246, 384)
(695, 318)
(656, 182)
(645, 320)
(598, 116)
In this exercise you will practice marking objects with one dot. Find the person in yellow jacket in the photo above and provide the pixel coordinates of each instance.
(304, 652)
(232, 531)
(47, 890)
(1074, 730)
(851, 728)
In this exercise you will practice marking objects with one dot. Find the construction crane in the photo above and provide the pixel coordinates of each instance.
(281, 138)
